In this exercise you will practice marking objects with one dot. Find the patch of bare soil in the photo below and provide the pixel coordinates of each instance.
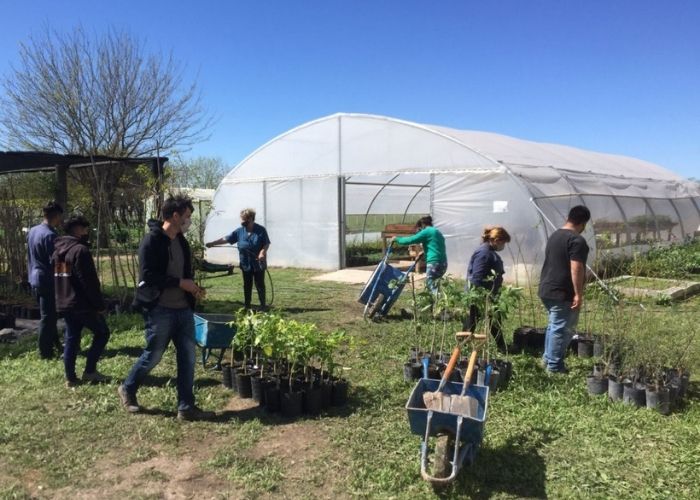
(304, 451)
(301, 449)
(168, 477)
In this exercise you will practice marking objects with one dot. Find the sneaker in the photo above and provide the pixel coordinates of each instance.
(128, 400)
(72, 384)
(194, 413)
(560, 371)
(94, 377)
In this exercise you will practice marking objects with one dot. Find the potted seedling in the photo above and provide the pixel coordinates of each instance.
(267, 344)
(243, 342)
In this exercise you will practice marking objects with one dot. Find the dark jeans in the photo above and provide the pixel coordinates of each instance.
(75, 322)
(164, 324)
(48, 333)
(259, 278)
(470, 324)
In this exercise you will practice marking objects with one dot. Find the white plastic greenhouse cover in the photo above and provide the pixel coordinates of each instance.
(309, 181)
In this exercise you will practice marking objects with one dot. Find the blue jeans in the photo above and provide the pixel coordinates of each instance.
(560, 329)
(433, 271)
(75, 322)
(48, 333)
(164, 324)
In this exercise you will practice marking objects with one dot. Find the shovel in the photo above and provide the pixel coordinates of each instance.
(466, 405)
(438, 400)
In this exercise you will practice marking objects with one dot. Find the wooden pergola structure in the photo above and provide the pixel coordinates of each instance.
(31, 161)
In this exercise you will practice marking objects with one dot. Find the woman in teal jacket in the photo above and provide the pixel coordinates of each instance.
(434, 247)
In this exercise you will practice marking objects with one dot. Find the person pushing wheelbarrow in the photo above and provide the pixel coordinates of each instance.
(434, 247)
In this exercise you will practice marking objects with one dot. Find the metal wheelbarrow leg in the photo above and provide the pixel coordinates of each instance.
(458, 455)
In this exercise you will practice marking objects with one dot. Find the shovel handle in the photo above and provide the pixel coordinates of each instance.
(450, 367)
(470, 370)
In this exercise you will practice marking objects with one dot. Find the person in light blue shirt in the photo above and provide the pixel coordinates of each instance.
(40, 248)
(253, 242)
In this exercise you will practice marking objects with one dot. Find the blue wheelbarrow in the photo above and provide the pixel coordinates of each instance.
(455, 418)
(384, 287)
(213, 331)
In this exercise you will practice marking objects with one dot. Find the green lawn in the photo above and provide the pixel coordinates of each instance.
(545, 437)
(648, 283)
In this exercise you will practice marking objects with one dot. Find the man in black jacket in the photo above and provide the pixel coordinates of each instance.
(79, 299)
(166, 295)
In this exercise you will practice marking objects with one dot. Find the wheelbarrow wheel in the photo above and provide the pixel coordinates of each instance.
(444, 451)
(376, 305)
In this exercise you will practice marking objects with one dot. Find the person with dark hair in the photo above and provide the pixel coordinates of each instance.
(79, 299)
(486, 270)
(166, 295)
(434, 247)
(253, 243)
(40, 248)
(561, 286)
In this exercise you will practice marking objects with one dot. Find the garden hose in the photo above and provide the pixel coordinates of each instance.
(267, 272)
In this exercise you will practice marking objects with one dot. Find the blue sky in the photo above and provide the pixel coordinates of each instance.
(612, 76)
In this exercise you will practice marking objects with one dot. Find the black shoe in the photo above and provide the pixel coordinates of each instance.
(72, 383)
(194, 413)
(128, 400)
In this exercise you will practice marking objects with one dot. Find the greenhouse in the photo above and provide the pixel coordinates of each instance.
(339, 180)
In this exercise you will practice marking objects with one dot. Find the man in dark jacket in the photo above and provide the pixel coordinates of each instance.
(166, 295)
(79, 299)
(40, 241)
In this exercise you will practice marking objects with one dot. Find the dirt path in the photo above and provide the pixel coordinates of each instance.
(299, 451)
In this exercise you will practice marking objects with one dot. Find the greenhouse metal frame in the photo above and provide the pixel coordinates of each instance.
(317, 187)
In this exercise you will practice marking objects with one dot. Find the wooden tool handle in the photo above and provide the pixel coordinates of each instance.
(466, 335)
(470, 370)
(450, 367)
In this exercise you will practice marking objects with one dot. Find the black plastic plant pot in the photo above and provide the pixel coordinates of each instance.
(257, 388)
(234, 381)
(313, 401)
(226, 375)
(411, 371)
(340, 393)
(683, 386)
(326, 394)
(272, 398)
(585, 348)
(634, 394)
(506, 369)
(673, 390)
(291, 403)
(598, 347)
(434, 372)
(245, 389)
(659, 399)
(535, 339)
(615, 389)
(494, 380)
(597, 385)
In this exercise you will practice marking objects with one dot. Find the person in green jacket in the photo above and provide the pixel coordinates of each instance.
(434, 247)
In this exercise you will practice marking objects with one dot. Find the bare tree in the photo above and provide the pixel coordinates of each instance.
(104, 95)
(200, 172)
(101, 95)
